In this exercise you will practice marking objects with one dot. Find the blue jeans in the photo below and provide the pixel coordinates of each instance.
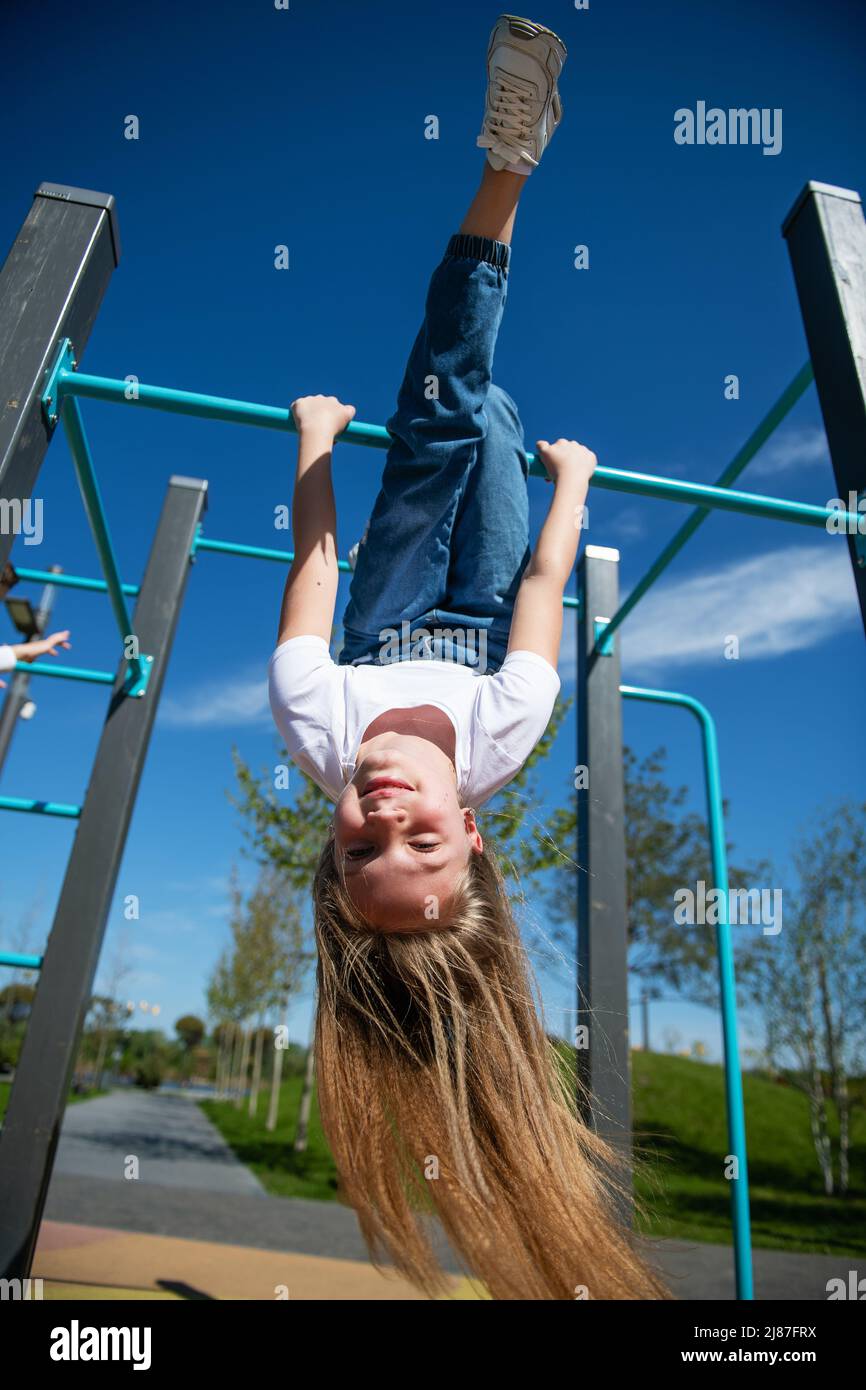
(448, 540)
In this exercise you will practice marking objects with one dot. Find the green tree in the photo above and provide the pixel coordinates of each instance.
(190, 1031)
(105, 1018)
(667, 848)
(809, 982)
(146, 1057)
(259, 973)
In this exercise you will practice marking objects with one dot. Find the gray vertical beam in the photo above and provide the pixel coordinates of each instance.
(19, 687)
(51, 287)
(602, 932)
(826, 237)
(32, 1124)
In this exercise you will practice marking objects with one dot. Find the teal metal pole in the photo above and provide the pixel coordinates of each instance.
(87, 481)
(71, 581)
(759, 437)
(727, 985)
(66, 673)
(253, 552)
(165, 398)
(17, 961)
(259, 552)
(69, 383)
(39, 808)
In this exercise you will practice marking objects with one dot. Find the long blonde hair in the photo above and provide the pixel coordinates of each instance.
(440, 1092)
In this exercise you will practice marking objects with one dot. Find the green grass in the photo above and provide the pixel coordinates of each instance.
(679, 1121)
(270, 1155)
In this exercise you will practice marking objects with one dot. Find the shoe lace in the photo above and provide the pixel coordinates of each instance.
(510, 114)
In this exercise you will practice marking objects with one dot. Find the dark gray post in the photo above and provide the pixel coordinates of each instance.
(602, 935)
(51, 287)
(19, 686)
(42, 1078)
(826, 237)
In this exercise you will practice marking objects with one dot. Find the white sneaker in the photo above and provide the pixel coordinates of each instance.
(523, 108)
(352, 557)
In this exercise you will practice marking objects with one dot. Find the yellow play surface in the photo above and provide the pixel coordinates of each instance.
(92, 1262)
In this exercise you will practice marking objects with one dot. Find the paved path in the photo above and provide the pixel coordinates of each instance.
(173, 1141)
(192, 1188)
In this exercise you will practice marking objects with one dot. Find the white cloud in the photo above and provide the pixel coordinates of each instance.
(778, 602)
(219, 704)
(790, 450)
(629, 524)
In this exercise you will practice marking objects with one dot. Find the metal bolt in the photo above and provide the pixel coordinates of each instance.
(48, 400)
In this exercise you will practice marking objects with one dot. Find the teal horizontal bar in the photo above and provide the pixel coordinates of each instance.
(376, 436)
(20, 962)
(71, 581)
(204, 407)
(252, 552)
(39, 808)
(66, 673)
(259, 552)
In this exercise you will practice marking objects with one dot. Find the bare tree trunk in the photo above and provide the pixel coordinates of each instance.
(220, 1070)
(842, 1108)
(100, 1058)
(820, 1137)
(257, 1070)
(246, 1033)
(838, 1080)
(234, 1066)
(227, 1061)
(302, 1132)
(277, 1076)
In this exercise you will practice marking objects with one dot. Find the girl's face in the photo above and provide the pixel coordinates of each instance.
(402, 839)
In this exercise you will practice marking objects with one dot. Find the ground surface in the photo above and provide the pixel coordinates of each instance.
(195, 1223)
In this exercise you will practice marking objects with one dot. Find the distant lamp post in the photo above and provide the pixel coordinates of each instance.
(21, 612)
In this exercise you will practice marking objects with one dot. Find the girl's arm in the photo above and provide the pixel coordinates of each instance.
(30, 651)
(536, 625)
(311, 589)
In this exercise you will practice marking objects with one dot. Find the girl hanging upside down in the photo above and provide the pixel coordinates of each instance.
(438, 1088)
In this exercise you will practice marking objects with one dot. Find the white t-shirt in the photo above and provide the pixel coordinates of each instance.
(8, 659)
(323, 711)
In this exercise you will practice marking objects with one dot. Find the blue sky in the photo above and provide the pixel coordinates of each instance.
(260, 128)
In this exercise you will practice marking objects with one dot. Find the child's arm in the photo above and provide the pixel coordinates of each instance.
(311, 589)
(536, 625)
(30, 651)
